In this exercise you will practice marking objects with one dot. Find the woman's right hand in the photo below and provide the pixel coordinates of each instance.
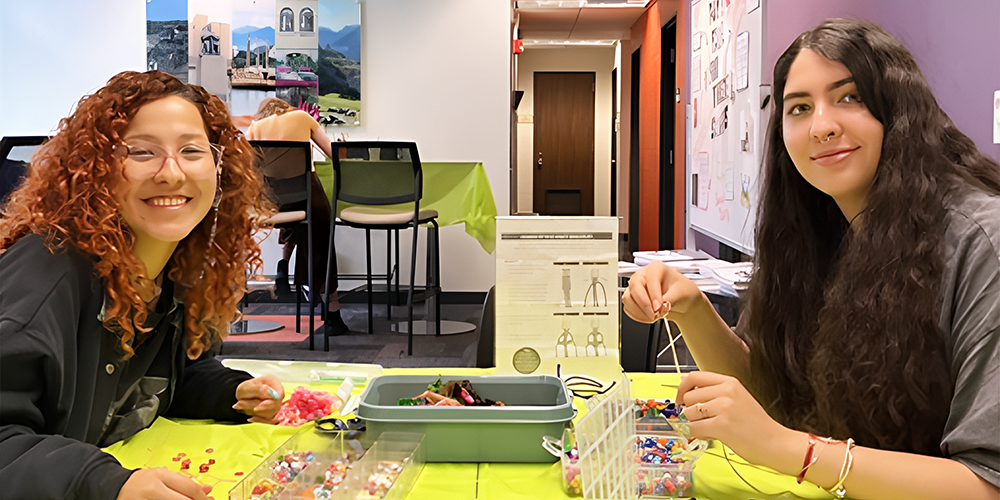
(658, 290)
(160, 483)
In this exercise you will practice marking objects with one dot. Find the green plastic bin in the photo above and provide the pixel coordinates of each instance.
(535, 406)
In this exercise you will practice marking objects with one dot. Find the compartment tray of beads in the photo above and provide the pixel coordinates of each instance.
(306, 454)
(664, 450)
(321, 465)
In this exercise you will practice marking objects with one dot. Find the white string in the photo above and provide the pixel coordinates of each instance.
(672, 346)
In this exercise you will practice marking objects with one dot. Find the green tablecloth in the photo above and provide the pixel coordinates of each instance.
(238, 448)
(460, 192)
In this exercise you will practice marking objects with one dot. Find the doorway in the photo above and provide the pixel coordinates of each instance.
(563, 151)
(668, 99)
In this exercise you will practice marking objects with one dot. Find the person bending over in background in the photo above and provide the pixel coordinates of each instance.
(276, 120)
(873, 313)
(124, 255)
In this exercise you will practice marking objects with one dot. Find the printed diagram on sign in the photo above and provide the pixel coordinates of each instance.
(595, 340)
(595, 283)
(595, 296)
(557, 300)
(566, 346)
(565, 340)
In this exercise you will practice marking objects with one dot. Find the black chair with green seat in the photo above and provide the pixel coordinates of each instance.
(383, 183)
(15, 155)
(287, 170)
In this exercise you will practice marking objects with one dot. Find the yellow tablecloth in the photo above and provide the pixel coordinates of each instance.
(460, 192)
(239, 448)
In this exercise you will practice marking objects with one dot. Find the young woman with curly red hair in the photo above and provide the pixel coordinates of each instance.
(124, 255)
(873, 313)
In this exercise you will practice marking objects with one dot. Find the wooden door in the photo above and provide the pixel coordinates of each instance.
(563, 157)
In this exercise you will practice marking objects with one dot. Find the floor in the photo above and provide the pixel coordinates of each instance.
(383, 347)
(387, 348)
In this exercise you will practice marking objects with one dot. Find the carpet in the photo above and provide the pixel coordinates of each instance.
(285, 334)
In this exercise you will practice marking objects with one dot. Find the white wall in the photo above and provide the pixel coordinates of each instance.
(601, 61)
(435, 71)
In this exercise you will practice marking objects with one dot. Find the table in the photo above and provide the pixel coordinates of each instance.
(460, 192)
(238, 448)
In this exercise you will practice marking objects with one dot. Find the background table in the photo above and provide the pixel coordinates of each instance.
(238, 448)
(460, 192)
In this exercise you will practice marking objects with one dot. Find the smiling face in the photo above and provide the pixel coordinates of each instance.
(169, 173)
(831, 137)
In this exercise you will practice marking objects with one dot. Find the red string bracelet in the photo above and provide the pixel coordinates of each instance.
(809, 459)
(811, 456)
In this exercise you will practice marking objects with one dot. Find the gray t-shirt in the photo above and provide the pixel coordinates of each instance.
(970, 321)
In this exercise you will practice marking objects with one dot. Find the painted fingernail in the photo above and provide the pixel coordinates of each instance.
(273, 393)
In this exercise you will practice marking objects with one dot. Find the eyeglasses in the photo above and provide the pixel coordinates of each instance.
(151, 156)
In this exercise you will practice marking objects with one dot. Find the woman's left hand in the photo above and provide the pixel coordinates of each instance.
(719, 407)
(260, 398)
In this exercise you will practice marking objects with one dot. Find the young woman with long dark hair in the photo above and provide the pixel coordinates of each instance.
(873, 312)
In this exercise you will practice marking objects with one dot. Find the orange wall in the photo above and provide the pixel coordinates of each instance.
(649, 132)
(645, 36)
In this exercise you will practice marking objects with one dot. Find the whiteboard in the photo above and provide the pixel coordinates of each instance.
(725, 124)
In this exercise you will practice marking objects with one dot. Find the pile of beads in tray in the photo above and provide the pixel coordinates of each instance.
(664, 450)
(297, 475)
(381, 479)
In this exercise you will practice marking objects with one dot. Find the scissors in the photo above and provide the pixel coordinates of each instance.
(333, 425)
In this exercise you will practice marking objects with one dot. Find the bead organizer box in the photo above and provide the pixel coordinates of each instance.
(628, 449)
(389, 468)
(321, 465)
(303, 458)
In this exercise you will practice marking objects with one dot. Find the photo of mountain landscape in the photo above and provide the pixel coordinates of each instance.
(167, 37)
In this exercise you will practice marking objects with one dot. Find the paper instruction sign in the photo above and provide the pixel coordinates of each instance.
(557, 295)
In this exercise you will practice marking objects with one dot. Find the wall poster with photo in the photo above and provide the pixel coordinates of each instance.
(305, 52)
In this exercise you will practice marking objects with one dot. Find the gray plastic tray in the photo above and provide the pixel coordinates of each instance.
(536, 406)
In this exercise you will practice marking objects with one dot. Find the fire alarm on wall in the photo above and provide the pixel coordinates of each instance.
(518, 47)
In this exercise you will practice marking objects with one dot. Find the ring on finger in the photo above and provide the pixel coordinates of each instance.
(701, 410)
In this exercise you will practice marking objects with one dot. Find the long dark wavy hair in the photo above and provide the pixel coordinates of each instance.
(67, 199)
(842, 323)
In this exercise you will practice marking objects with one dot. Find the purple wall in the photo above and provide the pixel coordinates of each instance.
(956, 43)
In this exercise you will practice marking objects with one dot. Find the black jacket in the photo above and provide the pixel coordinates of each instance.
(61, 373)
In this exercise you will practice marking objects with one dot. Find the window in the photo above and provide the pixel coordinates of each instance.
(285, 21)
(306, 19)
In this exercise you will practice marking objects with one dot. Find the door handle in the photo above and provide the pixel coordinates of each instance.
(539, 161)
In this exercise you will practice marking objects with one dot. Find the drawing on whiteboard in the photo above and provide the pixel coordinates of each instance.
(728, 177)
(696, 40)
(742, 61)
(721, 90)
(720, 201)
(704, 177)
(718, 36)
(746, 131)
(720, 123)
(745, 191)
(696, 70)
(713, 69)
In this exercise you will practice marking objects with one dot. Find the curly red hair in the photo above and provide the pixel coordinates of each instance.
(67, 199)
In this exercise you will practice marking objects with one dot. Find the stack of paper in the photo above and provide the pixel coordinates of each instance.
(732, 277)
(709, 274)
(643, 258)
